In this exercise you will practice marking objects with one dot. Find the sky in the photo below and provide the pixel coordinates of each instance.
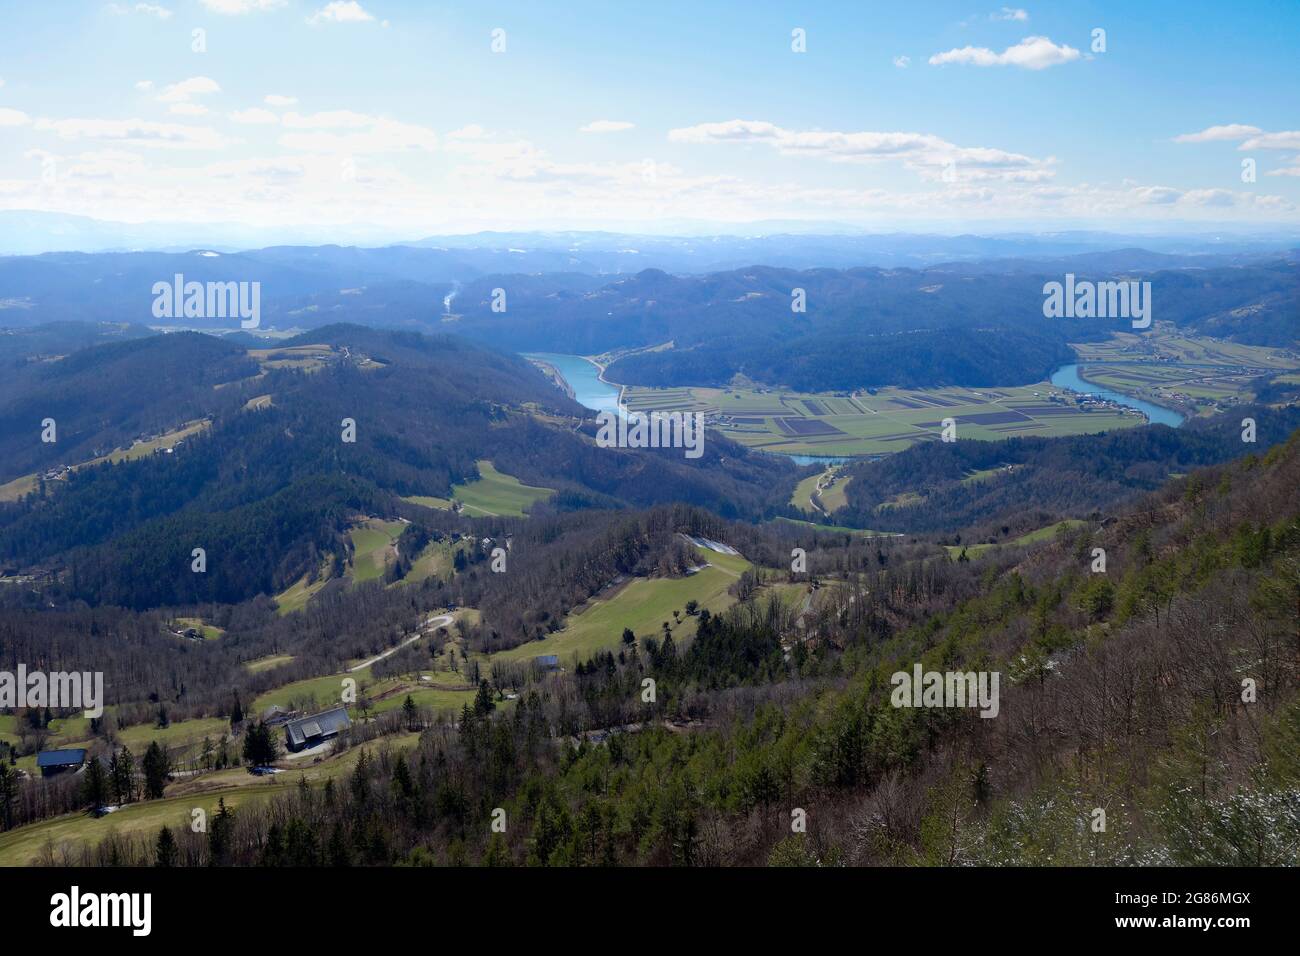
(430, 117)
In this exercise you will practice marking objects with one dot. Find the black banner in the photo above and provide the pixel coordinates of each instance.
(275, 905)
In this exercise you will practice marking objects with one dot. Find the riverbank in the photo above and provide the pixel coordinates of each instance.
(1068, 377)
(554, 374)
(583, 380)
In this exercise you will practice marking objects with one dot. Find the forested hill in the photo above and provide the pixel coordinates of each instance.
(1160, 689)
(101, 398)
(939, 487)
(862, 327)
(268, 485)
(966, 323)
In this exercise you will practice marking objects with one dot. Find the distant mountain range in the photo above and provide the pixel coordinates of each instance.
(975, 322)
(678, 246)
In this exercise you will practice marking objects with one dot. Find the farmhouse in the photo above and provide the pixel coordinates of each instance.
(316, 728)
(547, 662)
(52, 762)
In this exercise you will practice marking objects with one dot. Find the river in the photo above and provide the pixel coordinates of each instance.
(584, 378)
(588, 390)
(1067, 376)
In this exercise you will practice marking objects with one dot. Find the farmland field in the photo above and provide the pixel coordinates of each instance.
(372, 543)
(821, 494)
(267, 663)
(492, 494)
(1033, 537)
(436, 560)
(210, 632)
(1195, 374)
(643, 605)
(836, 529)
(884, 421)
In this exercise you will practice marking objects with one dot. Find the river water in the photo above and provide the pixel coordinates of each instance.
(1067, 376)
(584, 378)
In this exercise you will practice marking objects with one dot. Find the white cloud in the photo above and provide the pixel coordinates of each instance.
(10, 117)
(148, 9)
(1155, 195)
(341, 11)
(366, 134)
(1252, 136)
(328, 119)
(929, 155)
(274, 99)
(1031, 53)
(902, 62)
(1195, 199)
(472, 131)
(254, 115)
(605, 126)
(237, 7)
(144, 86)
(1230, 131)
(135, 132)
(1293, 170)
(182, 91)
(187, 109)
(1009, 13)
(1285, 140)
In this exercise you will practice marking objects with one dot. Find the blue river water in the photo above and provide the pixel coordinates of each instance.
(1067, 376)
(584, 378)
(588, 390)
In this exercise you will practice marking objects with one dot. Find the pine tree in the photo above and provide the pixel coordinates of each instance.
(219, 834)
(156, 769)
(402, 783)
(121, 772)
(260, 747)
(8, 794)
(94, 786)
(165, 851)
(483, 703)
(498, 854)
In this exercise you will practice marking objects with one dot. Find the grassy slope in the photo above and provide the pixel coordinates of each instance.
(642, 605)
(492, 493)
(372, 541)
(266, 663)
(1033, 537)
(296, 596)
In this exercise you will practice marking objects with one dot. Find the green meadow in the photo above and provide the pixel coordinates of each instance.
(1033, 537)
(492, 494)
(643, 605)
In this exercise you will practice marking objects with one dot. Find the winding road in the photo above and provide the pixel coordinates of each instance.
(442, 620)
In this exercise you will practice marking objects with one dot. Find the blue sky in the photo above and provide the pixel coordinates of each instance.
(962, 115)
